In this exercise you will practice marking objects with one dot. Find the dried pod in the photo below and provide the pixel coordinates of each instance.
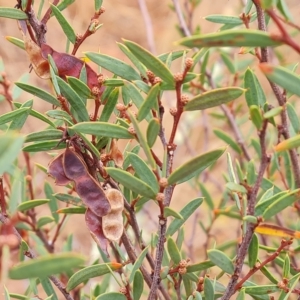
(94, 225)
(70, 65)
(88, 189)
(56, 170)
(116, 154)
(112, 223)
(39, 63)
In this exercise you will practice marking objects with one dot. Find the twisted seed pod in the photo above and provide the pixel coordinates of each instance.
(112, 223)
(56, 170)
(94, 225)
(88, 189)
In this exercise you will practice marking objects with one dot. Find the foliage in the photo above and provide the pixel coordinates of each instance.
(108, 143)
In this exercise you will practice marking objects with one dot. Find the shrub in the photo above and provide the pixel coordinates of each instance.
(111, 142)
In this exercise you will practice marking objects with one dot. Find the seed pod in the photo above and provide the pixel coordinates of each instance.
(70, 65)
(94, 225)
(88, 189)
(56, 170)
(112, 223)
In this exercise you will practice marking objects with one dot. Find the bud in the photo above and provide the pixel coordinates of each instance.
(123, 290)
(160, 197)
(184, 99)
(95, 91)
(157, 80)
(183, 263)
(163, 182)
(150, 75)
(173, 111)
(189, 63)
(120, 107)
(131, 130)
(178, 77)
(182, 271)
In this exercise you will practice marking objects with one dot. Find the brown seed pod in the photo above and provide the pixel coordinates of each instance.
(112, 223)
(56, 170)
(88, 189)
(94, 224)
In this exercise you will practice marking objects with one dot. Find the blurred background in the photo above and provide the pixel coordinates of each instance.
(125, 19)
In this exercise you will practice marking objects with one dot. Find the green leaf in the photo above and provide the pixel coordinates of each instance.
(131, 182)
(111, 296)
(221, 260)
(143, 171)
(44, 135)
(59, 115)
(174, 55)
(150, 61)
(142, 141)
(138, 263)
(38, 93)
(109, 105)
(91, 272)
(293, 117)
(231, 38)
(228, 140)
(152, 131)
(280, 204)
(241, 295)
(10, 116)
(173, 251)
(18, 296)
(48, 288)
(66, 27)
(214, 98)
(261, 289)
(114, 65)
(194, 166)
(186, 212)
(69, 199)
(74, 100)
(64, 4)
(149, 103)
(254, 94)
(283, 8)
(228, 61)
(209, 290)
(19, 122)
(138, 285)
(253, 251)
(113, 82)
(283, 77)
(46, 265)
(19, 43)
(263, 205)
(273, 112)
(169, 212)
(256, 116)
(222, 19)
(45, 146)
(10, 146)
(102, 129)
(286, 266)
(200, 266)
(53, 202)
(207, 196)
(234, 187)
(44, 221)
(12, 13)
(72, 210)
(134, 60)
(36, 114)
(79, 87)
(31, 204)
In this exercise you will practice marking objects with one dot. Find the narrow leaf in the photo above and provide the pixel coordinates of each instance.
(114, 65)
(186, 212)
(194, 166)
(150, 61)
(227, 139)
(31, 204)
(138, 263)
(102, 129)
(12, 13)
(111, 296)
(138, 285)
(152, 131)
(44, 135)
(131, 182)
(173, 251)
(221, 260)
(46, 265)
(213, 98)
(231, 38)
(8, 117)
(283, 77)
(91, 272)
(253, 251)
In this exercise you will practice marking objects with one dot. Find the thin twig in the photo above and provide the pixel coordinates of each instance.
(148, 24)
(279, 96)
(29, 253)
(2, 197)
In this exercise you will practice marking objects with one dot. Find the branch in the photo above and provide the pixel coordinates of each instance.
(279, 96)
(29, 253)
(242, 252)
(148, 24)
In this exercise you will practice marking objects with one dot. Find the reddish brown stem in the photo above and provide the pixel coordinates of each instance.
(284, 243)
(2, 197)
